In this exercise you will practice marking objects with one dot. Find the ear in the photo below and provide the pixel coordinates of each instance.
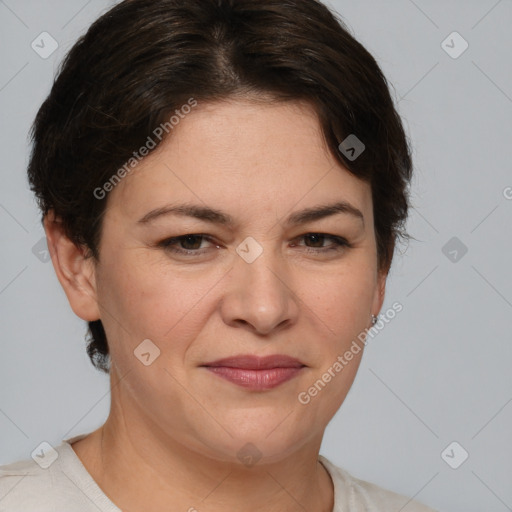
(380, 292)
(75, 272)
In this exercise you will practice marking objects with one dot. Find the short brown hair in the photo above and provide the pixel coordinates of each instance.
(145, 58)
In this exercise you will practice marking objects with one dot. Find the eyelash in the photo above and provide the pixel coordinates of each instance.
(170, 244)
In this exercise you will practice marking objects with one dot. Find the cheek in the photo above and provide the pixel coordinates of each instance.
(144, 301)
(342, 302)
(342, 299)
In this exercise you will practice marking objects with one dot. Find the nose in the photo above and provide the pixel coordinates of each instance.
(260, 295)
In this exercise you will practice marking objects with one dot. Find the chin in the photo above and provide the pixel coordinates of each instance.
(259, 437)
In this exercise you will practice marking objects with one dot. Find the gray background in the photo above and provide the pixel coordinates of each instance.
(438, 373)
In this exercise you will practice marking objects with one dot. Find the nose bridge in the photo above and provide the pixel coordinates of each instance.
(259, 294)
(264, 278)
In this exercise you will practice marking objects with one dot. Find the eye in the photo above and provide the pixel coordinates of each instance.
(317, 240)
(192, 244)
(189, 245)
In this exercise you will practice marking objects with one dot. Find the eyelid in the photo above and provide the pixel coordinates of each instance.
(325, 235)
(339, 244)
(168, 243)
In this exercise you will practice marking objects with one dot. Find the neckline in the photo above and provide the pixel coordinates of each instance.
(330, 471)
(86, 483)
(73, 467)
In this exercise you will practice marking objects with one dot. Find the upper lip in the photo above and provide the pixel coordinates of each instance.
(251, 362)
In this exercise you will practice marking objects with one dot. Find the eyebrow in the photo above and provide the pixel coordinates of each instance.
(218, 217)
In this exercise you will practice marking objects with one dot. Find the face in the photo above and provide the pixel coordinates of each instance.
(249, 263)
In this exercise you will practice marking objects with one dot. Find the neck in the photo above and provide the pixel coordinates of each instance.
(140, 467)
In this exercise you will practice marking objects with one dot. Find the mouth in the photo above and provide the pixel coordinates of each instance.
(256, 373)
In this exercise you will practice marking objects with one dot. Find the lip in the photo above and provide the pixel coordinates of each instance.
(256, 373)
(250, 362)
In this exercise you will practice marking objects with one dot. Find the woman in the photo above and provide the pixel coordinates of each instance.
(222, 184)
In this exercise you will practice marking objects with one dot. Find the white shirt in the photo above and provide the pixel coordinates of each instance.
(66, 486)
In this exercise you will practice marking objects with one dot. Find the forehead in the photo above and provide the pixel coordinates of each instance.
(245, 154)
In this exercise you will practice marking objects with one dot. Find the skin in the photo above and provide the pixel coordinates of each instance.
(175, 428)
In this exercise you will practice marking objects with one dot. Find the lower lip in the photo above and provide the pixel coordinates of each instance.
(257, 380)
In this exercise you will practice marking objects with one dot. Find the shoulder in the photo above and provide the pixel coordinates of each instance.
(351, 493)
(47, 482)
(23, 485)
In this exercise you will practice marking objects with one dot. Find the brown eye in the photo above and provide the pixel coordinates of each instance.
(188, 245)
(314, 243)
(316, 239)
(191, 241)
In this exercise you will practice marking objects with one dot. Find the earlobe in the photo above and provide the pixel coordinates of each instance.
(75, 271)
